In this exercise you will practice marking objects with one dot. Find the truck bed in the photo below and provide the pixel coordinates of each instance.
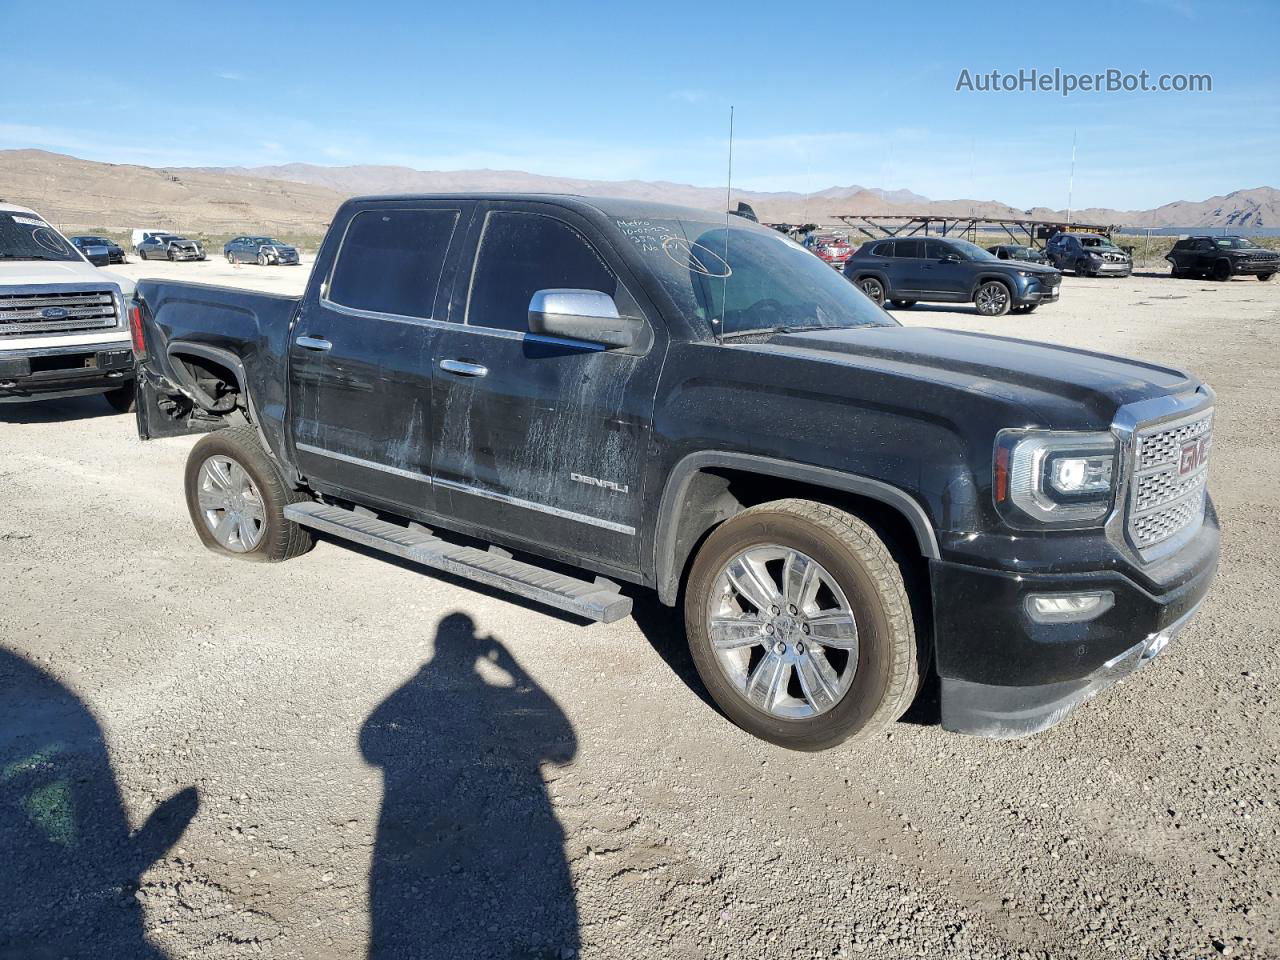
(189, 327)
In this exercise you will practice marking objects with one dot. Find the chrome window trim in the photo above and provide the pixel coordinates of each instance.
(361, 462)
(539, 507)
(1145, 415)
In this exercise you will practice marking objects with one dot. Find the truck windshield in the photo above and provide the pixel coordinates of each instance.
(749, 279)
(27, 237)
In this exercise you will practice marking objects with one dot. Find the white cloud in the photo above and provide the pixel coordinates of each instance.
(230, 75)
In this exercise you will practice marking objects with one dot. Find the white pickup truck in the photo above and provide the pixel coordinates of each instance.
(63, 327)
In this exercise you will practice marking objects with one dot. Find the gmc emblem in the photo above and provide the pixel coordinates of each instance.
(1194, 456)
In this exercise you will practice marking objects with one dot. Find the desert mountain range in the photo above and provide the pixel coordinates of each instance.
(300, 198)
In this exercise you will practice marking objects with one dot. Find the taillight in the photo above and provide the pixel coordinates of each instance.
(135, 331)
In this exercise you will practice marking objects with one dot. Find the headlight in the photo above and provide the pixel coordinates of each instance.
(1026, 273)
(1049, 476)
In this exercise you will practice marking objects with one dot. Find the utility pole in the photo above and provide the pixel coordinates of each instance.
(1071, 180)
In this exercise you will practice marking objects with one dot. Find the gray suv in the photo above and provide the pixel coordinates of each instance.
(1088, 254)
(906, 270)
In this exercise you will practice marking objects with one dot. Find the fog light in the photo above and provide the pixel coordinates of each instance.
(1068, 607)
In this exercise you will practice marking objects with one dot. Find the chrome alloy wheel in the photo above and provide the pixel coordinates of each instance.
(783, 632)
(230, 504)
(992, 299)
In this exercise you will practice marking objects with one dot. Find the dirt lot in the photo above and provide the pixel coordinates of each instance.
(355, 750)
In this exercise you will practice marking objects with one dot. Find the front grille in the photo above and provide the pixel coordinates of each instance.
(24, 313)
(1170, 473)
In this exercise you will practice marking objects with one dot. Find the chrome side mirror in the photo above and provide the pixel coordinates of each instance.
(587, 315)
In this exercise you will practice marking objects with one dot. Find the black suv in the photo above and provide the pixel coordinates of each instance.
(905, 271)
(1222, 258)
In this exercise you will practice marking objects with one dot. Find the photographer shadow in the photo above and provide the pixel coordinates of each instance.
(69, 864)
(469, 857)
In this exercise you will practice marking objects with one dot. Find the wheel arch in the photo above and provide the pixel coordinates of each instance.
(707, 488)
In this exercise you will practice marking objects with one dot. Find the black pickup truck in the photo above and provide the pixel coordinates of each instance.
(557, 395)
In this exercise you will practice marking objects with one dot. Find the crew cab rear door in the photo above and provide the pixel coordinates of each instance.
(539, 439)
(361, 353)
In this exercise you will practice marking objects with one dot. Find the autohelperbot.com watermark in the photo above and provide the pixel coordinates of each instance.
(1065, 82)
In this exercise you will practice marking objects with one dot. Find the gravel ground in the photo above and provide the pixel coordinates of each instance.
(208, 758)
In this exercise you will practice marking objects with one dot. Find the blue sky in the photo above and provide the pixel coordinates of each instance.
(860, 93)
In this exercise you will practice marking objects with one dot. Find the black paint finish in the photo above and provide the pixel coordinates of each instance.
(585, 455)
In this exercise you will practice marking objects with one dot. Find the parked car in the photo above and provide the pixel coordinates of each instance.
(259, 250)
(63, 331)
(905, 271)
(1222, 258)
(114, 252)
(655, 396)
(831, 249)
(95, 253)
(169, 246)
(1088, 254)
(1017, 251)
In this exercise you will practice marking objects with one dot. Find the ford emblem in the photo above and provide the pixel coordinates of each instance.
(54, 313)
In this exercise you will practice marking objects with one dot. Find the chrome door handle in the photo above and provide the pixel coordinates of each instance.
(464, 369)
(314, 343)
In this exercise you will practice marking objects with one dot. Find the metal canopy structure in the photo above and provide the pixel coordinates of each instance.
(1025, 232)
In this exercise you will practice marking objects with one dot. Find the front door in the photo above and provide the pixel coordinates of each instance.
(538, 439)
(944, 274)
(361, 355)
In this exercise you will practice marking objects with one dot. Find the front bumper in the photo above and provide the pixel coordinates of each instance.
(63, 372)
(1110, 268)
(1036, 292)
(1006, 675)
(1255, 268)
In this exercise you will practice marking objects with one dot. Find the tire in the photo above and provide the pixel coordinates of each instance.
(267, 537)
(123, 399)
(873, 288)
(1082, 269)
(993, 299)
(230, 259)
(904, 304)
(874, 662)
(1222, 271)
(262, 259)
(1264, 277)
(1176, 273)
(172, 257)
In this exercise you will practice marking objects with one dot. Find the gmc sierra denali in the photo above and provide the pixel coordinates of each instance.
(554, 394)
(63, 331)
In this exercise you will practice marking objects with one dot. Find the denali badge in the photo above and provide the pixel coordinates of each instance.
(606, 484)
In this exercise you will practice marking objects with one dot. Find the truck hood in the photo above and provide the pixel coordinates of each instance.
(1053, 384)
(25, 272)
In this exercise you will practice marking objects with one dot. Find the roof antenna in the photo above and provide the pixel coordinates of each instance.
(728, 195)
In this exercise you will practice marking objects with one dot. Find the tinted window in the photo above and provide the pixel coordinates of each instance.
(391, 261)
(883, 249)
(908, 248)
(934, 250)
(522, 253)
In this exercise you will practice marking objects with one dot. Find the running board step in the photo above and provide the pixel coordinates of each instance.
(598, 600)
